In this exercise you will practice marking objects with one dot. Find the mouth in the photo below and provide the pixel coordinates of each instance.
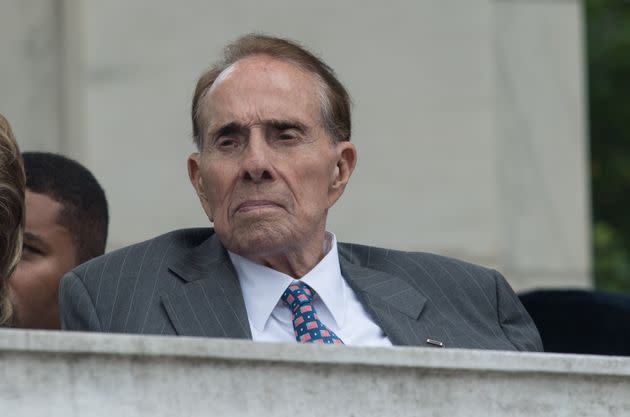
(254, 205)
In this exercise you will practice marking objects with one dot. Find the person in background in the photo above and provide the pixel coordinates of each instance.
(66, 224)
(11, 214)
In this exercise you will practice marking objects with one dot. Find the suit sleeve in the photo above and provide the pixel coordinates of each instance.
(515, 321)
(76, 308)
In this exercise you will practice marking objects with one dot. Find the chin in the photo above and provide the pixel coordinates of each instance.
(258, 239)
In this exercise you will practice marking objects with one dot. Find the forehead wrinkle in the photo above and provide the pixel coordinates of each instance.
(250, 115)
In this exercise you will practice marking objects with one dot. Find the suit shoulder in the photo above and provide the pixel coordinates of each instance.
(181, 240)
(391, 260)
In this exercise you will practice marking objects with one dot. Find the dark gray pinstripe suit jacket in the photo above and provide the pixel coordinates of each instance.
(184, 283)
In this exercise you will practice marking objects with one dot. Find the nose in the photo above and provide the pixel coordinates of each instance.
(256, 162)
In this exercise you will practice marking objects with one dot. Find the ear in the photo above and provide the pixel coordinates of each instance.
(194, 174)
(346, 161)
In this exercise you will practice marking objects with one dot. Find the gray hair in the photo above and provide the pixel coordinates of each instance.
(335, 100)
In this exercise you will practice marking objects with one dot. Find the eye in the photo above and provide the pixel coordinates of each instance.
(29, 250)
(227, 142)
(289, 134)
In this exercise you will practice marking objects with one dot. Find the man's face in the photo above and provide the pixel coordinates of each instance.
(49, 252)
(268, 171)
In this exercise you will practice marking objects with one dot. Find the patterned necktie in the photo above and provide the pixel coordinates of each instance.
(306, 325)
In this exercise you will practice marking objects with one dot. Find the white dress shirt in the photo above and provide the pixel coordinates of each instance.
(337, 305)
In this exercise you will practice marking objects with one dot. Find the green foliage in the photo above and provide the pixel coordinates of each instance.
(608, 41)
(612, 263)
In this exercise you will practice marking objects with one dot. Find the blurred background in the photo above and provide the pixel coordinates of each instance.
(608, 35)
(489, 130)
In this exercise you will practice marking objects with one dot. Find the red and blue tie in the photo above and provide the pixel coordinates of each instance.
(306, 325)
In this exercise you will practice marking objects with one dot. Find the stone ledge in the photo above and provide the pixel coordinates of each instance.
(55, 374)
(79, 343)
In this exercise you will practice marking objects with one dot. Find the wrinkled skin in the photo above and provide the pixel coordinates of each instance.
(268, 171)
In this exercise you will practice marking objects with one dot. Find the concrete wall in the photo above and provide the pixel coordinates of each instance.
(30, 72)
(542, 147)
(468, 115)
(54, 374)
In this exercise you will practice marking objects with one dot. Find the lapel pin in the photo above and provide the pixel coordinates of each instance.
(435, 342)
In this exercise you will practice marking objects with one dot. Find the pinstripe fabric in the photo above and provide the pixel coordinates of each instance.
(184, 283)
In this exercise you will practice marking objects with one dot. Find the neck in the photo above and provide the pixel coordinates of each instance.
(296, 261)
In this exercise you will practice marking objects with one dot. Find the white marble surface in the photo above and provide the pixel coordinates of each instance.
(78, 374)
(468, 116)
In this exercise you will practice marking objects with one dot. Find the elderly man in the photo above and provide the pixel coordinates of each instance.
(272, 127)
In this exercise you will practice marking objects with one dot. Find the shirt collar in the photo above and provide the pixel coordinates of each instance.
(262, 287)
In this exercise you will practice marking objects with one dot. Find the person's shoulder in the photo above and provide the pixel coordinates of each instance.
(410, 262)
(174, 242)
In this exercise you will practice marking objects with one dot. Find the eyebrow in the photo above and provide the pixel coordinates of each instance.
(286, 124)
(33, 238)
(278, 124)
(227, 129)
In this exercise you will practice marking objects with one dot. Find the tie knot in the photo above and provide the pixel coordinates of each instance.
(298, 294)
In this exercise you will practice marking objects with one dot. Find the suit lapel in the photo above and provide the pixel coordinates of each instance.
(210, 302)
(393, 303)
